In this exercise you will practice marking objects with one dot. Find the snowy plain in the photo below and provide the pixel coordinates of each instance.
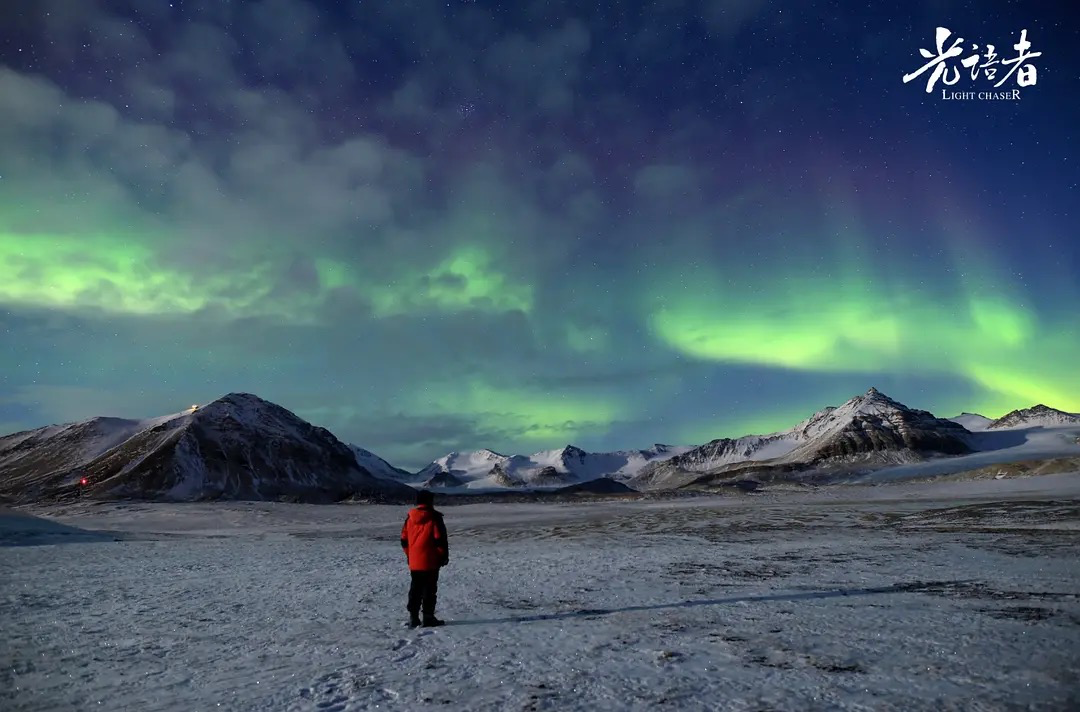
(952, 595)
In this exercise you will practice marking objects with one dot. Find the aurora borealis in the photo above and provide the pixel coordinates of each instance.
(434, 226)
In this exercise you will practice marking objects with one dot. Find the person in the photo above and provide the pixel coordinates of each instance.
(423, 538)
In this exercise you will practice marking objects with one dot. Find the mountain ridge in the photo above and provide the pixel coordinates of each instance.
(479, 469)
(867, 430)
(220, 447)
(1037, 415)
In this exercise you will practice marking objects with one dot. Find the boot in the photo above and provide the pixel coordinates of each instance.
(430, 621)
(414, 620)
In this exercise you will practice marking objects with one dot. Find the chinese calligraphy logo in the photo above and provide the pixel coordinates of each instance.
(985, 64)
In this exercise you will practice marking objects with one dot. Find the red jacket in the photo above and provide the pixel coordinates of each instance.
(423, 537)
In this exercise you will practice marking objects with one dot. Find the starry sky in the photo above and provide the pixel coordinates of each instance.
(433, 226)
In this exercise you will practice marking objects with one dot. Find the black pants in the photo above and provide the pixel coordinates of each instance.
(425, 586)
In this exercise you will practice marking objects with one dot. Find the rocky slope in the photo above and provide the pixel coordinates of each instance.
(378, 466)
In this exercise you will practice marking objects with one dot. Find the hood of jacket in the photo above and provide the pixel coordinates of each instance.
(422, 515)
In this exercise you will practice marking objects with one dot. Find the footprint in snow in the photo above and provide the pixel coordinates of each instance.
(336, 704)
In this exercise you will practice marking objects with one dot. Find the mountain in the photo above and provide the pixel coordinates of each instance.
(1038, 415)
(601, 485)
(620, 465)
(443, 480)
(867, 431)
(548, 476)
(466, 465)
(497, 477)
(378, 466)
(484, 469)
(867, 434)
(242, 447)
(972, 421)
(873, 425)
(29, 455)
(237, 447)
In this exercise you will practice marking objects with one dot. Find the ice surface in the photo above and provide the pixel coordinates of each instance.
(948, 595)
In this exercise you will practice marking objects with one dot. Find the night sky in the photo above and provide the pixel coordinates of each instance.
(435, 226)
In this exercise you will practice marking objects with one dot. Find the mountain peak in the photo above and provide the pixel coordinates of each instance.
(1034, 416)
(873, 402)
(238, 398)
(974, 422)
(876, 396)
(232, 403)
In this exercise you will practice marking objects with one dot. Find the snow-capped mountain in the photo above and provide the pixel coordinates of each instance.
(378, 466)
(481, 469)
(866, 433)
(465, 466)
(1039, 415)
(973, 421)
(868, 429)
(874, 426)
(242, 447)
(237, 447)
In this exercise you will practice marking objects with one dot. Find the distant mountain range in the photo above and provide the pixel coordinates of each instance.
(1040, 415)
(1035, 416)
(243, 447)
(549, 468)
(866, 433)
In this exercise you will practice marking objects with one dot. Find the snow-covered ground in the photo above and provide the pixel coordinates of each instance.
(956, 595)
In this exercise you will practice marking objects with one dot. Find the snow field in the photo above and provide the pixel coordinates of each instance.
(834, 601)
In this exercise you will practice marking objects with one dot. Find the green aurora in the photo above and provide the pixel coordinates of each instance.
(516, 244)
(870, 324)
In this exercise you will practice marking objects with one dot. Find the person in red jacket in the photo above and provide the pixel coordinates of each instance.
(423, 537)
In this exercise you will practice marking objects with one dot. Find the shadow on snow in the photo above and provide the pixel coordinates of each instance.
(912, 587)
(18, 529)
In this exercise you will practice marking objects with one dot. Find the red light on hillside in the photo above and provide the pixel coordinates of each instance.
(83, 481)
